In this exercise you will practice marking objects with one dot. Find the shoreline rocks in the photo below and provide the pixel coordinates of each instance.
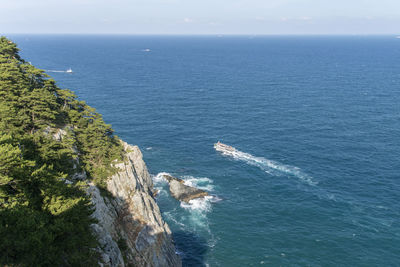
(183, 192)
(130, 228)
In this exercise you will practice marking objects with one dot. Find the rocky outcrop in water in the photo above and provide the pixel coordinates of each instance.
(183, 192)
(130, 228)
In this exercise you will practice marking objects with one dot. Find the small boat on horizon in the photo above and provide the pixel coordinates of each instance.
(69, 70)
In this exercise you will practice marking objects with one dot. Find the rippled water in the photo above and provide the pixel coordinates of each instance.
(316, 121)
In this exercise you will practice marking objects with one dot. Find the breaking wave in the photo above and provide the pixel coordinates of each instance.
(270, 166)
(192, 215)
(203, 183)
(199, 204)
(159, 178)
(187, 220)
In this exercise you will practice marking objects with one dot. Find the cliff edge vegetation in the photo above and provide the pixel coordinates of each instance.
(47, 138)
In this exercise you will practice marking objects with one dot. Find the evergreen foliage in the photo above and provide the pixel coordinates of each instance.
(45, 221)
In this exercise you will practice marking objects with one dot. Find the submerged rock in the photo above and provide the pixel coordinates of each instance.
(183, 192)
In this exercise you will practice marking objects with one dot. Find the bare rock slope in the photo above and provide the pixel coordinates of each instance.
(131, 230)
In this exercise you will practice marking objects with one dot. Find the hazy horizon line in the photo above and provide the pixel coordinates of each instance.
(209, 34)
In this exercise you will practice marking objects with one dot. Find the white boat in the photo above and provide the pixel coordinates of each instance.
(69, 70)
(224, 148)
(146, 50)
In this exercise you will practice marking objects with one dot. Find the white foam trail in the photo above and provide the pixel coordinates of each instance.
(269, 166)
(59, 71)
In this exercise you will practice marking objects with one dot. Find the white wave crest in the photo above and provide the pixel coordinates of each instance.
(270, 166)
(191, 216)
(199, 204)
(159, 178)
(196, 209)
(203, 183)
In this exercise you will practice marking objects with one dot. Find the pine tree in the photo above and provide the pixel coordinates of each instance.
(43, 220)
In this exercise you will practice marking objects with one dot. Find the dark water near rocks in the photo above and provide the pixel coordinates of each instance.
(317, 120)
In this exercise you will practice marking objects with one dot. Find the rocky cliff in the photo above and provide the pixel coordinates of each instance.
(52, 147)
(130, 228)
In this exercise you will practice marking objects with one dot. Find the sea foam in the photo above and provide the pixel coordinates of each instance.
(199, 204)
(159, 178)
(204, 183)
(188, 215)
(269, 166)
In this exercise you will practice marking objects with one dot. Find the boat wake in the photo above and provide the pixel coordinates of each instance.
(60, 71)
(269, 166)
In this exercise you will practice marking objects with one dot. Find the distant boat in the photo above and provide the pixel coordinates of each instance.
(146, 50)
(224, 148)
(69, 70)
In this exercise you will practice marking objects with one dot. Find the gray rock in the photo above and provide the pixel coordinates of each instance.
(130, 229)
(132, 216)
(60, 133)
(183, 192)
(109, 250)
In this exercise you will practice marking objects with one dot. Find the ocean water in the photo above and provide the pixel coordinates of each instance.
(316, 121)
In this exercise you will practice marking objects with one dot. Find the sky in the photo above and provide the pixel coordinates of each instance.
(200, 16)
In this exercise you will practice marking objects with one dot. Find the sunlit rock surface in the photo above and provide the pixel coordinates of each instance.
(131, 229)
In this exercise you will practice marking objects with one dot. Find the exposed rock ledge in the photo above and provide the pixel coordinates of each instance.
(183, 192)
(131, 230)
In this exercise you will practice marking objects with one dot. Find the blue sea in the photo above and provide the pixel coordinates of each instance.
(316, 121)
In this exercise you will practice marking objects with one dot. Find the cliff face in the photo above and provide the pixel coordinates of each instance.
(43, 172)
(131, 230)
